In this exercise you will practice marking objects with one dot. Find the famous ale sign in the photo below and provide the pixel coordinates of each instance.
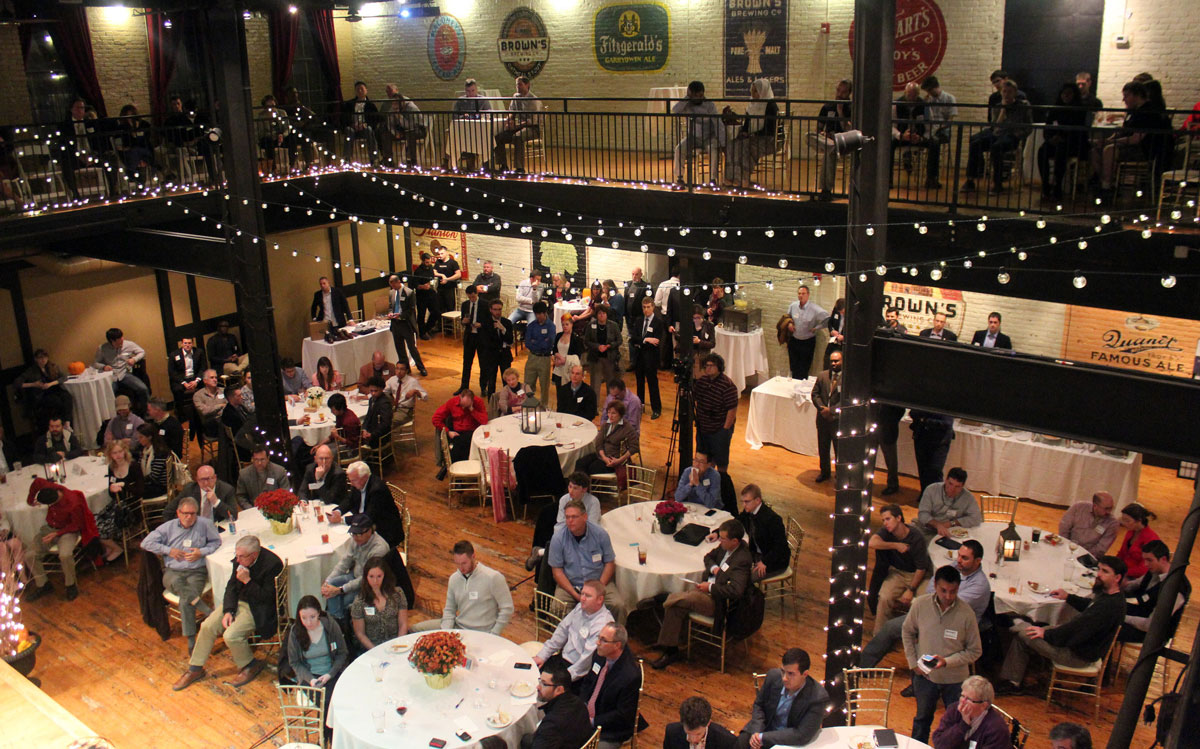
(632, 37)
(1148, 343)
(920, 41)
(524, 45)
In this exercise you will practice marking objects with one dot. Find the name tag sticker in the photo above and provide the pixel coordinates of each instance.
(545, 331)
(187, 543)
(314, 485)
(579, 399)
(270, 482)
(724, 566)
(950, 634)
(220, 396)
(162, 432)
(473, 595)
(332, 645)
(595, 668)
(596, 557)
(1099, 529)
(178, 357)
(370, 610)
(706, 482)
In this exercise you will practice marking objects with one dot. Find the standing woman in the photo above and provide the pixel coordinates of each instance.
(568, 351)
(757, 136)
(837, 327)
(1135, 519)
(380, 613)
(154, 456)
(126, 487)
(327, 378)
(316, 649)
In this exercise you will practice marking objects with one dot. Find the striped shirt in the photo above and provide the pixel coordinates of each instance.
(714, 397)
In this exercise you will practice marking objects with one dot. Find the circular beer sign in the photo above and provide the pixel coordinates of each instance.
(920, 41)
(524, 45)
(447, 47)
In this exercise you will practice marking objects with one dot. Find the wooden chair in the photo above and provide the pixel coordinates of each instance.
(208, 447)
(1087, 680)
(783, 585)
(378, 455)
(406, 432)
(1161, 663)
(606, 485)
(637, 711)
(303, 716)
(345, 454)
(131, 533)
(488, 480)
(548, 613)
(1016, 729)
(233, 446)
(400, 498)
(639, 483)
(868, 690)
(776, 162)
(173, 611)
(594, 741)
(998, 508)
(701, 628)
(282, 613)
(465, 475)
(187, 444)
(1182, 184)
(152, 511)
(51, 562)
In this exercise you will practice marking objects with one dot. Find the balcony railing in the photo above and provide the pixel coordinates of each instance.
(601, 140)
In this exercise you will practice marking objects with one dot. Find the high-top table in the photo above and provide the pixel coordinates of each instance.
(745, 354)
(94, 401)
(88, 474)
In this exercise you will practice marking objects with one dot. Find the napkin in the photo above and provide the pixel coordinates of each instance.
(499, 658)
(463, 723)
(319, 550)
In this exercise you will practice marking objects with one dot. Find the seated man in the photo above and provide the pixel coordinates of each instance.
(971, 721)
(247, 609)
(574, 639)
(565, 723)
(324, 481)
(911, 129)
(378, 420)
(696, 729)
(728, 567)
(477, 596)
(576, 397)
(235, 415)
(225, 351)
(901, 564)
(119, 356)
(70, 524)
(369, 495)
(580, 551)
(577, 488)
(610, 688)
(946, 504)
(404, 390)
(295, 381)
(1067, 735)
(343, 582)
(183, 542)
(215, 499)
(168, 426)
(123, 425)
(58, 443)
(1141, 595)
(460, 417)
(377, 367)
(260, 476)
(633, 405)
(789, 707)
(1079, 641)
(1011, 124)
(528, 291)
(347, 430)
(700, 483)
(766, 535)
(209, 402)
(1091, 524)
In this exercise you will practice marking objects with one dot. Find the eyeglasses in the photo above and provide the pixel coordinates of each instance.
(973, 701)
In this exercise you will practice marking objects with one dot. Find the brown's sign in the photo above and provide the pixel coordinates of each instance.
(1161, 345)
(918, 305)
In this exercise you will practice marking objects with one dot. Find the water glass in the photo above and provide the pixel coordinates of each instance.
(380, 718)
(377, 671)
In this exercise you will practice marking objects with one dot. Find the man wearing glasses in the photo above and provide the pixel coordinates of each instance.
(972, 720)
(565, 717)
(695, 729)
(183, 543)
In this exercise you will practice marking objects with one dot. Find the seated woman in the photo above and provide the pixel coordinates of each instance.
(616, 443)
(510, 397)
(756, 138)
(559, 290)
(316, 650)
(380, 613)
(42, 395)
(126, 487)
(154, 455)
(327, 378)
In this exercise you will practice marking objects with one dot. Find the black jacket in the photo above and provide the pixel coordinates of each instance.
(226, 508)
(1002, 341)
(581, 404)
(658, 329)
(768, 538)
(332, 489)
(177, 370)
(804, 717)
(492, 341)
(616, 706)
(380, 508)
(481, 312)
(947, 334)
(379, 417)
(565, 724)
(635, 292)
(719, 737)
(612, 338)
(341, 308)
(172, 433)
(370, 113)
(259, 592)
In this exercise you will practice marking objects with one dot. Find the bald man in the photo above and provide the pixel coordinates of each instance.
(1091, 524)
(214, 497)
(324, 480)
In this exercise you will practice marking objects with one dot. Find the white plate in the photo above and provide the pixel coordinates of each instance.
(521, 689)
(959, 533)
(493, 723)
(1022, 437)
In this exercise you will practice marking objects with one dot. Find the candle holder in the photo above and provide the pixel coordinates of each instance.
(531, 416)
(1008, 544)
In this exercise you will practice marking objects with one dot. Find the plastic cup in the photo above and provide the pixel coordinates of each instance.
(487, 433)
(641, 555)
(377, 671)
(325, 540)
(380, 718)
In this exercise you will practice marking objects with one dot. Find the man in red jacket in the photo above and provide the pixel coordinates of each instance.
(459, 416)
(69, 521)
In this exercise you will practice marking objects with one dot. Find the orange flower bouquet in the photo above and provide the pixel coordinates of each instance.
(436, 655)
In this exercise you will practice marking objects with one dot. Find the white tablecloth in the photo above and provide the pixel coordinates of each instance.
(348, 356)
(321, 422)
(667, 560)
(745, 354)
(305, 573)
(849, 737)
(1044, 564)
(473, 136)
(573, 439)
(432, 713)
(662, 139)
(87, 474)
(562, 308)
(781, 412)
(94, 402)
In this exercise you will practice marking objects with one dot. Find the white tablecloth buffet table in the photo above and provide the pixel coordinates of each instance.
(320, 423)
(305, 572)
(562, 308)
(94, 402)
(572, 440)
(474, 695)
(88, 474)
(782, 413)
(349, 356)
(668, 562)
(745, 354)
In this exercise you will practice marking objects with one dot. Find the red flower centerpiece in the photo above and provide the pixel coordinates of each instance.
(668, 513)
(436, 655)
(276, 506)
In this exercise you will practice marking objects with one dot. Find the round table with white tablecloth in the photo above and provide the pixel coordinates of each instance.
(572, 440)
(782, 412)
(320, 423)
(473, 696)
(668, 561)
(745, 354)
(1048, 565)
(88, 474)
(473, 135)
(348, 356)
(853, 737)
(562, 308)
(94, 402)
(308, 560)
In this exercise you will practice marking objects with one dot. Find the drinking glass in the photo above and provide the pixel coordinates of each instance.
(642, 555)
(377, 671)
(380, 718)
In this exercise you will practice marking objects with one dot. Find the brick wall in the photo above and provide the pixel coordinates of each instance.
(774, 302)
(510, 258)
(14, 95)
(1159, 44)
(258, 53)
(119, 48)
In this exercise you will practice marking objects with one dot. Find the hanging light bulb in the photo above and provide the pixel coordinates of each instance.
(706, 255)
(829, 266)
(880, 270)
(1082, 244)
(1168, 282)
(742, 259)
(1003, 277)
(782, 262)
(1079, 281)
(1022, 255)
(1146, 233)
(936, 274)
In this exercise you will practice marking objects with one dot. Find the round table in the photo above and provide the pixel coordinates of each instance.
(745, 354)
(433, 713)
(88, 474)
(305, 572)
(667, 560)
(850, 737)
(94, 402)
(320, 422)
(1044, 564)
(572, 440)
(561, 308)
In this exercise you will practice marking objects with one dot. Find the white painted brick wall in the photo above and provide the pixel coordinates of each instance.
(774, 302)
(14, 95)
(1163, 36)
(258, 53)
(120, 50)
(510, 257)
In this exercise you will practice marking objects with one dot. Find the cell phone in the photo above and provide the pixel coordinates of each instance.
(463, 736)
(710, 513)
(437, 743)
(885, 737)
(523, 666)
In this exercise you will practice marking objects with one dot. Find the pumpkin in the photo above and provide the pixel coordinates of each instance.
(75, 368)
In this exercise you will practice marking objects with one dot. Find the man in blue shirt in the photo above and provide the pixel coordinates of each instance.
(539, 341)
(700, 483)
(183, 543)
(580, 551)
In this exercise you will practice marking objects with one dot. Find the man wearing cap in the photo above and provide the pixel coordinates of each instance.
(122, 426)
(342, 584)
(183, 542)
(69, 523)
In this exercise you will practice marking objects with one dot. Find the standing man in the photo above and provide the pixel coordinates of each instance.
(938, 332)
(495, 347)
(428, 310)
(528, 292)
(647, 330)
(539, 342)
(330, 305)
(941, 626)
(472, 319)
(448, 274)
(789, 707)
(119, 356)
(521, 125)
(400, 313)
(488, 283)
(827, 397)
(716, 403)
(636, 290)
(477, 596)
(992, 337)
(932, 435)
(185, 370)
(807, 318)
(901, 564)
(183, 542)
(603, 342)
(1091, 524)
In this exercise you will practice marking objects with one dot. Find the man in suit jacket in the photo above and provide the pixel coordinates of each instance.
(377, 367)
(215, 498)
(369, 494)
(473, 313)
(789, 707)
(938, 332)
(646, 334)
(576, 397)
(260, 476)
(378, 420)
(494, 343)
(565, 723)
(185, 371)
(610, 688)
(323, 480)
(602, 339)
(168, 426)
(992, 337)
(695, 728)
(401, 312)
(767, 537)
(329, 305)
(827, 397)
(728, 567)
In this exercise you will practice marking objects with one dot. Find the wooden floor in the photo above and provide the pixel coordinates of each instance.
(104, 665)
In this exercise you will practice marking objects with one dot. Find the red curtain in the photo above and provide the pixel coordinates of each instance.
(283, 27)
(163, 46)
(322, 28)
(73, 43)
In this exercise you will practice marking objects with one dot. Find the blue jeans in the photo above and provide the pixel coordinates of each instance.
(133, 382)
(882, 643)
(519, 314)
(716, 446)
(927, 694)
(339, 604)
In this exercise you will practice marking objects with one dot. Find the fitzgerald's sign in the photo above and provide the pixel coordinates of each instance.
(918, 305)
(632, 37)
(1147, 343)
(920, 41)
(524, 45)
(755, 45)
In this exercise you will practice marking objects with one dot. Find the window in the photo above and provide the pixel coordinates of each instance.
(51, 90)
(307, 74)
